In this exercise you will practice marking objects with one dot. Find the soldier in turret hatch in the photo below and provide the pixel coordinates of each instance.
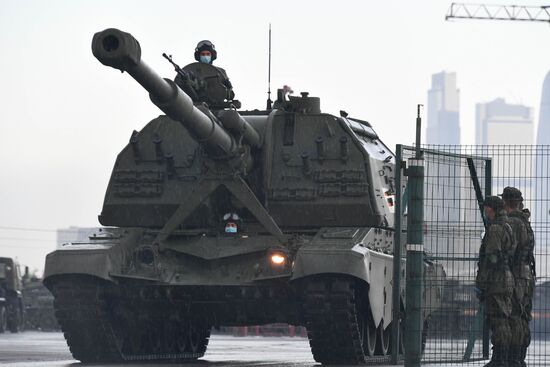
(206, 53)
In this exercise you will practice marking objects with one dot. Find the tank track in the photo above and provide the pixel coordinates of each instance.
(334, 321)
(97, 327)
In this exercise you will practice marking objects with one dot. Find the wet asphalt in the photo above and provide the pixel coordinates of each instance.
(48, 349)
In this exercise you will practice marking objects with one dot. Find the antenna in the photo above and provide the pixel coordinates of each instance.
(418, 130)
(269, 101)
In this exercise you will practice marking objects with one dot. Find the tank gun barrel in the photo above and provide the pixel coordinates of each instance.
(120, 50)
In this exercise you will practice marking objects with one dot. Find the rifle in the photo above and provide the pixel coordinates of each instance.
(187, 78)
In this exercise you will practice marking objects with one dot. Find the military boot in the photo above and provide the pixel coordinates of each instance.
(498, 359)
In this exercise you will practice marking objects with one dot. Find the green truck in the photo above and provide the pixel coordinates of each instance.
(11, 298)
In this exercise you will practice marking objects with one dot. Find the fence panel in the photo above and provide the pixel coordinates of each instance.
(453, 230)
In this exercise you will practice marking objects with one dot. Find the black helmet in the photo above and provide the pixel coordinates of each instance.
(511, 194)
(205, 45)
(494, 202)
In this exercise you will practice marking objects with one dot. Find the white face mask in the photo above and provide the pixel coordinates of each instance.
(205, 59)
(231, 228)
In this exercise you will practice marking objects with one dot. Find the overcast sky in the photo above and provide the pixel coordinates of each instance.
(64, 117)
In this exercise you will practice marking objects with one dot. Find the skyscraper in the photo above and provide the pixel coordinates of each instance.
(541, 209)
(498, 122)
(510, 127)
(443, 117)
(443, 129)
(543, 130)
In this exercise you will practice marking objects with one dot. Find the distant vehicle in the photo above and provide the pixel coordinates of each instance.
(11, 298)
(38, 303)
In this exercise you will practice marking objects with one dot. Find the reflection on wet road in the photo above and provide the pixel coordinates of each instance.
(37, 349)
(34, 349)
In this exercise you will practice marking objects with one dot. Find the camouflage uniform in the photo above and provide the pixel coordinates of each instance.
(496, 283)
(206, 45)
(524, 273)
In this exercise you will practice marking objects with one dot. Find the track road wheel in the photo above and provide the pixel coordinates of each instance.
(170, 334)
(383, 339)
(198, 337)
(133, 343)
(338, 320)
(400, 344)
(368, 332)
(154, 339)
(182, 338)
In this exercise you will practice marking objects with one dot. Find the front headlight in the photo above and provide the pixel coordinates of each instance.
(278, 258)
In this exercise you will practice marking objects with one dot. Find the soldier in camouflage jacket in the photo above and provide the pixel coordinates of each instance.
(523, 269)
(494, 281)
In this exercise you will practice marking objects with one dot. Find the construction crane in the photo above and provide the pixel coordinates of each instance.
(499, 12)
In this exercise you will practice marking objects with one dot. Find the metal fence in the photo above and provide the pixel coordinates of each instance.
(453, 227)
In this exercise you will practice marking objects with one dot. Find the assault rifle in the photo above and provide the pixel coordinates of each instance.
(190, 83)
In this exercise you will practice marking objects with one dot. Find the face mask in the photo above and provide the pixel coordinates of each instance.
(231, 228)
(205, 59)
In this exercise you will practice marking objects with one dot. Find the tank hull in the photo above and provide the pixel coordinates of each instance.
(198, 282)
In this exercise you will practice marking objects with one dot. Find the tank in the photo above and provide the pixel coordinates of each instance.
(217, 217)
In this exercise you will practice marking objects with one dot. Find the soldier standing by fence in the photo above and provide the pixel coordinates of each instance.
(494, 280)
(523, 268)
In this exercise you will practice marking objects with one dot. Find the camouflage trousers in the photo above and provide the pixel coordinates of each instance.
(498, 308)
(522, 306)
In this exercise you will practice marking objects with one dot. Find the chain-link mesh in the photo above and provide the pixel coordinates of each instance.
(455, 331)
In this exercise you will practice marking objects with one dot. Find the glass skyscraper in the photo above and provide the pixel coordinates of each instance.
(443, 110)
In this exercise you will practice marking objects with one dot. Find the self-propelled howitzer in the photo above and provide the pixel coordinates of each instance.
(224, 217)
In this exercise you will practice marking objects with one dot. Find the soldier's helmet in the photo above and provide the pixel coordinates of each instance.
(232, 223)
(205, 45)
(511, 194)
(494, 202)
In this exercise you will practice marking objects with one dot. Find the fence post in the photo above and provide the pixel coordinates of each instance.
(415, 254)
(488, 192)
(396, 285)
(415, 263)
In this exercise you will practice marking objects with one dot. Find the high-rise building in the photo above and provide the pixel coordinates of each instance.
(543, 130)
(443, 117)
(443, 129)
(541, 209)
(498, 123)
(508, 128)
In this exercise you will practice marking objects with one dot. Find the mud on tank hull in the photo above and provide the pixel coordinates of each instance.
(118, 298)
